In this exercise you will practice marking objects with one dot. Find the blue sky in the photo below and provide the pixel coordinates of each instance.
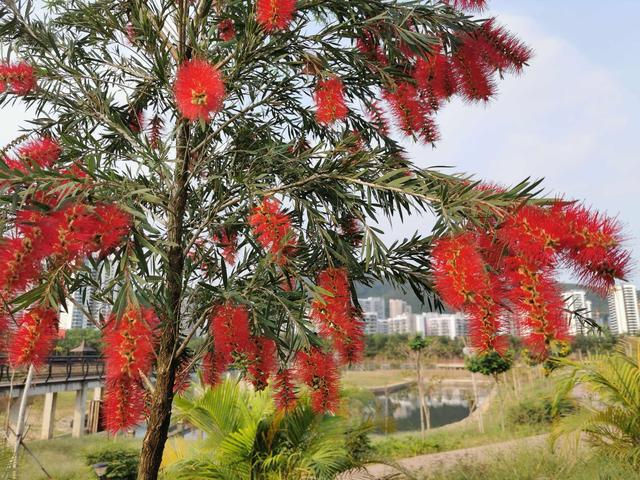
(573, 117)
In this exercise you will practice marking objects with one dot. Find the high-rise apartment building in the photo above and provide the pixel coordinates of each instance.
(624, 317)
(398, 308)
(76, 317)
(450, 325)
(577, 305)
(371, 322)
(403, 323)
(373, 304)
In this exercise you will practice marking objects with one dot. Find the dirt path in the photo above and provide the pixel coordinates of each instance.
(439, 461)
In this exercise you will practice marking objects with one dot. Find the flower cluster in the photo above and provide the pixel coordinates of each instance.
(275, 15)
(472, 5)
(199, 90)
(20, 78)
(272, 227)
(227, 241)
(285, 391)
(336, 316)
(468, 69)
(229, 328)
(62, 236)
(131, 339)
(226, 30)
(262, 362)
(511, 265)
(318, 371)
(32, 342)
(41, 152)
(330, 102)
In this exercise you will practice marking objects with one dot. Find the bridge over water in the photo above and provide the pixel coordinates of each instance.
(60, 374)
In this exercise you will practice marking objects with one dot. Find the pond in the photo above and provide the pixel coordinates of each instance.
(399, 411)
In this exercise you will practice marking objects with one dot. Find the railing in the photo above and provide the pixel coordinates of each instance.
(57, 369)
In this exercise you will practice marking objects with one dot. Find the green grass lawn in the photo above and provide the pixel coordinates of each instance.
(64, 458)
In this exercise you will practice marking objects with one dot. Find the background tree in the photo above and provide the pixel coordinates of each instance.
(492, 363)
(222, 162)
(418, 345)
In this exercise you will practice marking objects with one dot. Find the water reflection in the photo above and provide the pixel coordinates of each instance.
(399, 411)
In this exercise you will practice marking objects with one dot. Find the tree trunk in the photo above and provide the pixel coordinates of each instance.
(496, 377)
(162, 396)
(420, 394)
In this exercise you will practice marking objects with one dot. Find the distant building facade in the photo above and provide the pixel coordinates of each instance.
(76, 317)
(371, 323)
(450, 325)
(403, 323)
(576, 301)
(374, 305)
(624, 317)
(398, 308)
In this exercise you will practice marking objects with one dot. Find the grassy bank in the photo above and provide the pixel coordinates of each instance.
(537, 464)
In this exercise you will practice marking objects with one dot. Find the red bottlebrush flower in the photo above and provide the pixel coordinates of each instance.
(377, 117)
(534, 233)
(475, 76)
(412, 114)
(124, 404)
(318, 371)
(228, 242)
(33, 341)
(353, 230)
(18, 265)
(226, 30)
(70, 231)
(131, 340)
(436, 77)
(155, 131)
(230, 331)
(20, 77)
(470, 5)
(461, 279)
(213, 366)
(183, 374)
(500, 48)
(336, 316)
(136, 121)
(43, 152)
(330, 102)
(199, 90)
(114, 223)
(593, 246)
(273, 229)
(538, 298)
(285, 391)
(275, 14)
(262, 362)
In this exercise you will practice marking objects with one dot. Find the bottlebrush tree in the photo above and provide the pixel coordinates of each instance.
(222, 164)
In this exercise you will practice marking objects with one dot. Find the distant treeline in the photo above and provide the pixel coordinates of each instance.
(396, 347)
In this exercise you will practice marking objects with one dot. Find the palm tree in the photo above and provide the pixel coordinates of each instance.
(610, 417)
(247, 438)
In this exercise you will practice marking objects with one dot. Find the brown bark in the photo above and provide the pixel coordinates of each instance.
(162, 396)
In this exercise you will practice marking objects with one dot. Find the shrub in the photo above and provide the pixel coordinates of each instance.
(538, 411)
(122, 462)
